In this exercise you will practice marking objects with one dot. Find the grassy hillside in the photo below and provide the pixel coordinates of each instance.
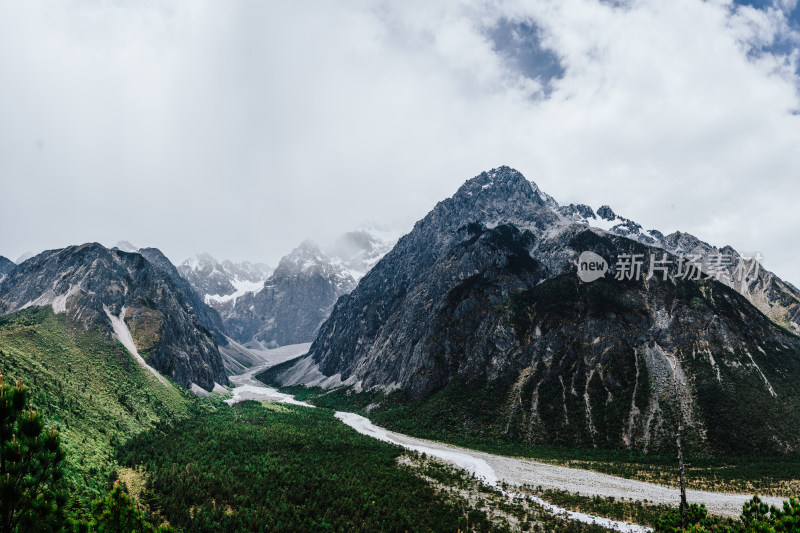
(89, 388)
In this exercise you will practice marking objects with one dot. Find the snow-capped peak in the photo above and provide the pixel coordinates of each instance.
(126, 246)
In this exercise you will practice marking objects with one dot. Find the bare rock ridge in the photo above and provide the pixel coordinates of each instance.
(482, 300)
(89, 283)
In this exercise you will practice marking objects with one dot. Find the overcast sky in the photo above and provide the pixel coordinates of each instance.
(242, 128)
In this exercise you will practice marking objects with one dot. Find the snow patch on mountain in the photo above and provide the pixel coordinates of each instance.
(123, 335)
(242, 287)
(126, 246)
(222, 282)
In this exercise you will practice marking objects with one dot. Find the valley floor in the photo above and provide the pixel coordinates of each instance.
(518, 472)
(512, 472)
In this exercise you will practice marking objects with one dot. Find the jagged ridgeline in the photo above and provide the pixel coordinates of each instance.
(477, 324)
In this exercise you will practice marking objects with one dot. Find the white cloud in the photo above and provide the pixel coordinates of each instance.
(242, 129)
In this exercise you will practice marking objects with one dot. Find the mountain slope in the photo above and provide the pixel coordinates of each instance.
(295, 300)
(482, 300)
(96, 286)
(92, 389)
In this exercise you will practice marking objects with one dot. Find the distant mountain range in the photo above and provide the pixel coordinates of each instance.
(172, 314)
(480, 322)
(287, 305)
(477, 322)
(293, 302)
(223, 282)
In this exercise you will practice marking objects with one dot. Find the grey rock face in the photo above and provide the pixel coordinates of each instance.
(83, 281)
(6, 266)
(295, 300)
(485, 290)
(777, 299)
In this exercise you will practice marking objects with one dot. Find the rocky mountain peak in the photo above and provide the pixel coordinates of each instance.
(307, 258)
(499, 196)
(293, 302)
(500, 184)
(483, 295)
(606, 213)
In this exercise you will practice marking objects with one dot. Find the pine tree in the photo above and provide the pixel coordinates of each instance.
(118, 512)
(30, 458)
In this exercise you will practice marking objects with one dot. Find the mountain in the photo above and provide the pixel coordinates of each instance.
(126, 246)
(294, 301)
(24, 257)
(207, 316)
(6, 266)
(776, 298)
(220, 283)
(126, 296)
(359, 250)
(92, 390)
(478, 323)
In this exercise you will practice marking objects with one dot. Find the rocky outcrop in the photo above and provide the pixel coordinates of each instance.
(92, 284)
